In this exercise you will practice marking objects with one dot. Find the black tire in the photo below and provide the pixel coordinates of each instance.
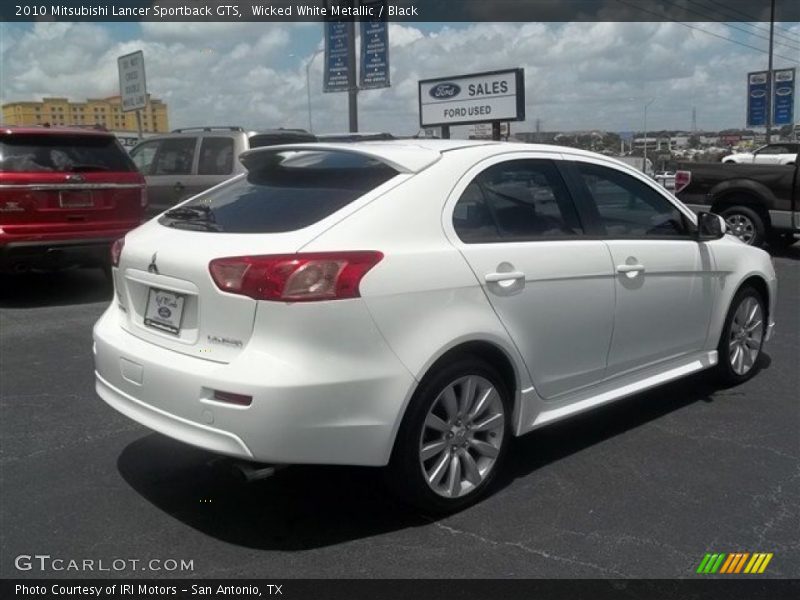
(726, 371)
(753, 230)
(405, 472)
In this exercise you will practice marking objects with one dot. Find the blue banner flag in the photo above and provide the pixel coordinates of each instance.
(757, 99)
(375, 47)
(337, 58)
(783, 97)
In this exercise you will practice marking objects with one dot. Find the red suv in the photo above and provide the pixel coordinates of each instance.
(65, 195)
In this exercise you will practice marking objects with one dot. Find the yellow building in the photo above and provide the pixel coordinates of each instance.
(95, 111)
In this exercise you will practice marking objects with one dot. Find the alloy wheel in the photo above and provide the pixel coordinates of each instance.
(747, 332)
(462, 436)
(742, 227)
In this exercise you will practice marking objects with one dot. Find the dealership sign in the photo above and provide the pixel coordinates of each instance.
(757, 99)
(783, 97)
(474, 98)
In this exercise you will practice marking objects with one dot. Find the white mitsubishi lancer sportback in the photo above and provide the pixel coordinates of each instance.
(416, 304)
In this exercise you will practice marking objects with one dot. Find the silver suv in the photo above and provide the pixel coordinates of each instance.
(187, 161)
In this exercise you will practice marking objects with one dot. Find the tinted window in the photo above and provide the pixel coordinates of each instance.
(285, 191)
(174, 157)
(778, 149)
(774, 150)
(516, 200)
(62, 153)
(471, 217)
(628, 207)
(216, 156)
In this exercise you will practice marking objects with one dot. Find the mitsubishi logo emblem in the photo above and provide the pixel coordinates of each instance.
(153, 267)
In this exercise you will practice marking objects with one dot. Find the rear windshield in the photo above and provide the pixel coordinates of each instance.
(282, 191)
(62, 153)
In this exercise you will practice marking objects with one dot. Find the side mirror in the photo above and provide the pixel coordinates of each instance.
(710, 227)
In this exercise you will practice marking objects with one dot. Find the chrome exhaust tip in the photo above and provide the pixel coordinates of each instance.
(248, 472)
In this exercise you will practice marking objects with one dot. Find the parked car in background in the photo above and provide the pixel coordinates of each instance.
(667, 179)
(332, 138)
(760, 203)
(783, 153)
(187, 161)
(416, 304)
(638, 162)
(65, 195)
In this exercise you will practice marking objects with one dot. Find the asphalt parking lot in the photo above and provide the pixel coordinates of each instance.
(643, 488)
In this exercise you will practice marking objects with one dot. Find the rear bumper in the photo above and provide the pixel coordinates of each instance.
(53, 253)
(317, 413)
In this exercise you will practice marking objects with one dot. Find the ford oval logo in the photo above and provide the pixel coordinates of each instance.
(758, 93)
(784, 91)
(445, 90)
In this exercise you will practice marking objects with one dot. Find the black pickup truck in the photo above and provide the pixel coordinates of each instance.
(760, 203)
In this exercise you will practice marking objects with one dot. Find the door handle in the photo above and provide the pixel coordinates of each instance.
(630, 268)
(501, 277)
(178, 186)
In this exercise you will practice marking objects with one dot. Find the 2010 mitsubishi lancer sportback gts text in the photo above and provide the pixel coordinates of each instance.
(416, 304)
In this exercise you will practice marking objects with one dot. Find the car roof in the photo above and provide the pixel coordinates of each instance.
(40, 130)
(414, 155)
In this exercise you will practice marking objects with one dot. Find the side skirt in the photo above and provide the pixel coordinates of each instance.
(610, 391)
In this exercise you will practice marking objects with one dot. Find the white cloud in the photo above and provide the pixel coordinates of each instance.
(578, 75)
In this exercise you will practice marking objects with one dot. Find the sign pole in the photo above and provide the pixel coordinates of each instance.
(352, 92)
(139, 124)
(770, 74)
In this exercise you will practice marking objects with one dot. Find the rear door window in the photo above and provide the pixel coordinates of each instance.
(62, 153)
(516, 200)
(174, 157)
(216, 156)
(282, 191)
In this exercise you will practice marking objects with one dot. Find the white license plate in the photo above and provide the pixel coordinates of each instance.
(164, 310)
(71, 199)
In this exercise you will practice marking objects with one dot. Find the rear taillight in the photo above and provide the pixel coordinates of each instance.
(116, 251)
(302, 277)
(682, 179)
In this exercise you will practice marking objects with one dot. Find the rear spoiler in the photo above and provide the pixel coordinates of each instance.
(406, 158)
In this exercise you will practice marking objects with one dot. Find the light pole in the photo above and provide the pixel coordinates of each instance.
(770, 82)
(644, 160)
(308, 86)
